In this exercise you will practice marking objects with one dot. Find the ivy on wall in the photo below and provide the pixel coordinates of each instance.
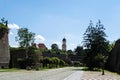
(3, 29)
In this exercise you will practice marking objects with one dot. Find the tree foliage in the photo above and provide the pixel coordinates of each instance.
(46, 61)
(62, 63)
(25, 38)
(52, 62)
(55, 61)
(95, 43)
(79, 51)
(3, 28)
(54, 46)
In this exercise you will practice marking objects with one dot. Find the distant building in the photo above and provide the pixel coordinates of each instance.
(64, 44)
(42, 46)
(4, 48)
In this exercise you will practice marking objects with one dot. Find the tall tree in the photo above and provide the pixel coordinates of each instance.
(70, 52)
(54, 46)
(25, 38)
(96, 44)
(79, 51)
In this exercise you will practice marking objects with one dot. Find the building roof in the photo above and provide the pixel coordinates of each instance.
(42, 46)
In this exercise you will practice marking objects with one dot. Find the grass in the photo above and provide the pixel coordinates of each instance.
(17, 69)
(87, 69)
(10, 70)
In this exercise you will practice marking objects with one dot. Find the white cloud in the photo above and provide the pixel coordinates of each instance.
(13, 26)
(11, 33)
(39, 38)
(14, 45)
(56, 42)
(72, 44)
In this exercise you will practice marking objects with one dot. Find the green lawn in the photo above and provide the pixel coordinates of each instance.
(10, 70)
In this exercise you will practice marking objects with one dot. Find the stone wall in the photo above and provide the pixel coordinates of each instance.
(4, 51)
(114, 59)
(60, 56)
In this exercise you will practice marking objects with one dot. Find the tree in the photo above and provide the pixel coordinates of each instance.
(25, 38)
(111, 46)
(62, 63)
(70, 52)
(96, 44)
(79, 51)
(47, 61)
(54, 46)
(55, 61)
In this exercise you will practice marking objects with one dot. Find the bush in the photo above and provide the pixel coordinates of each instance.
(28, 68)
(52, 62)
(46, 61)
(77, 63)
(55, 61)
(62, 63)
(22, 63)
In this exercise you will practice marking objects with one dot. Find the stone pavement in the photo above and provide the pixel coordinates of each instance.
(67, 73)
(75, 76)
(48, 74)
(95, 75)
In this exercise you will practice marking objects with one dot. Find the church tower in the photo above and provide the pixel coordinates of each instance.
(64, 44)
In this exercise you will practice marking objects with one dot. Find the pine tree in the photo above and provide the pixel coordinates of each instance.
(96, 45)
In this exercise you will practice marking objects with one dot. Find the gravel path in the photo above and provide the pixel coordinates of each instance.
(52, 74)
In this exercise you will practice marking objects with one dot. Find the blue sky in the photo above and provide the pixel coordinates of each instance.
(52, 20)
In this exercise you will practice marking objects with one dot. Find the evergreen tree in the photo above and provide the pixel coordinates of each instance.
(96, 45)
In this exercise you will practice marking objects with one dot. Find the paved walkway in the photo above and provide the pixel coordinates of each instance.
(68, 73)
(75, 76)
(93, 75)
(51, 74)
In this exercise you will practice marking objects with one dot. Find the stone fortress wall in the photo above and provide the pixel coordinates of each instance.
(4, 49)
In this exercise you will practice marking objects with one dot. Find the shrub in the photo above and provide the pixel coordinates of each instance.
(77, 63)
(22, 63)
(55, 61)
(62, 63)
(46, 61)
